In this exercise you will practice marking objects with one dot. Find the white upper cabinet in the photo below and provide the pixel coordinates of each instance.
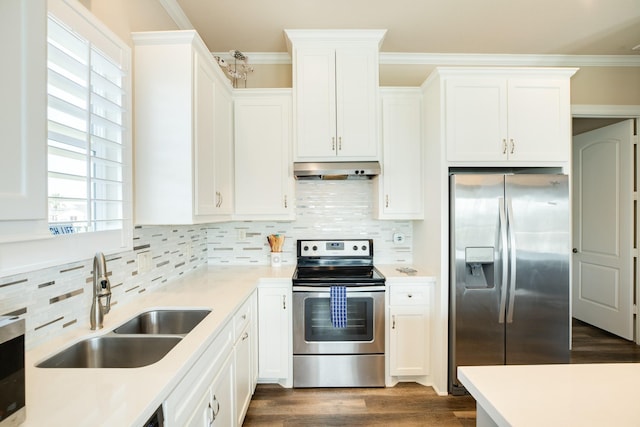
(183, 134)
(23, 107)
(400, 184)
(335, 84)
(507, 115)
(263, 179)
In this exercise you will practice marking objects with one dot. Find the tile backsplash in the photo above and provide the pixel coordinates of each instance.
(52, 300)
(324, 209)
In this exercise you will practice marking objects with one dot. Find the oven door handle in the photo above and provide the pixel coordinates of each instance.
(350, 289)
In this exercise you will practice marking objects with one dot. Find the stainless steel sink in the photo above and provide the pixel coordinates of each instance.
(110, 351)
(178, 322)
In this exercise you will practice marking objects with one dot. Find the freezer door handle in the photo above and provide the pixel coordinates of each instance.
(512, 262)
(505, 255)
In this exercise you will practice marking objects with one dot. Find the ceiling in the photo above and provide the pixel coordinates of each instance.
(540, 27)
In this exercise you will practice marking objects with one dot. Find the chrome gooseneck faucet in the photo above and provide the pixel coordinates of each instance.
(101, 288)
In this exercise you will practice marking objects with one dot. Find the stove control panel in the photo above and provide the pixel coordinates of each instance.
(335, 248)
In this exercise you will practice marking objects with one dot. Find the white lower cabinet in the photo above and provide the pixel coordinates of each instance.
(218, 388)
(245, 342)
(275, 351)
(215, 408)
(409, 330)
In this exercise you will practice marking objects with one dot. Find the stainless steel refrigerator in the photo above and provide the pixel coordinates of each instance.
(509, 270)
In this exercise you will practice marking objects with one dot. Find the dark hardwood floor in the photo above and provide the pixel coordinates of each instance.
(593, 345)
(407, 404)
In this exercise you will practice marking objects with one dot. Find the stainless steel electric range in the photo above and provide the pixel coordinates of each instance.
(338, 315)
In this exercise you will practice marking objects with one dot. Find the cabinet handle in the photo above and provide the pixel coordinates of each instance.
(285, 202)
(284, 302)
(340, 143)
(244, 317)
(513, 145)
(333, 143)
(393, 321)
(409, 295)
(210, 415)
(245, 336)
(217, 410)
(504, 146)
(386, 201)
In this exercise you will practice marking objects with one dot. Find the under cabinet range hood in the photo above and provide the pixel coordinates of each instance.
(336, 170)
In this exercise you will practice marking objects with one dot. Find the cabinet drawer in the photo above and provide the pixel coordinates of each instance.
(409, 295)
(241, 318)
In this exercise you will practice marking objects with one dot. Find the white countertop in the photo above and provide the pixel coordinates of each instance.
(556, 395)
(128, 396)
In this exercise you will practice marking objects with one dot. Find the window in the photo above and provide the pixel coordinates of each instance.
(87, 133)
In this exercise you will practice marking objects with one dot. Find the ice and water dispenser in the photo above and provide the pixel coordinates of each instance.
(479, 265)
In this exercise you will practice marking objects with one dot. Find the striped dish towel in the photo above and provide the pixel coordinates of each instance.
(338, 306)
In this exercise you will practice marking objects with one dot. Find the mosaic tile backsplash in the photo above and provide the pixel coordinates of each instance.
(324, 210)
(55, 299)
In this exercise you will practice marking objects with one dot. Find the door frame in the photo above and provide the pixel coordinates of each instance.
(621, 112)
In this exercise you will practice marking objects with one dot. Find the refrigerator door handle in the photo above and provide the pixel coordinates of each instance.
(505, 255)
(512, 262)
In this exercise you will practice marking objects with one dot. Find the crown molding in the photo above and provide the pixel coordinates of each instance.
(470, 59)
(176, 13)
(389, 58)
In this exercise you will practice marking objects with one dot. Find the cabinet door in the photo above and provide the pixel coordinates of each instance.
(314, 80)
(23, 108)
(203, 127)
(244, 381)
(222, 397)
(409, 338)
(356, 103)
(223, 151)
(262, 180)
(400, 192)
(202, 415)
(539, 120)
(476, 119)
(274, 330)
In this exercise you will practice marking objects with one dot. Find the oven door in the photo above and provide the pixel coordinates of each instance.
(313, 332)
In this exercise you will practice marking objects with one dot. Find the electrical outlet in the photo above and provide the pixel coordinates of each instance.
(398, 238)
(189, 252)
(242, 234)
(144, 262)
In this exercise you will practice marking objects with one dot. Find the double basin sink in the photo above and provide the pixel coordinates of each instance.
(141, 341)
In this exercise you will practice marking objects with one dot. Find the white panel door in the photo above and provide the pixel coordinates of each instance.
(603, 227)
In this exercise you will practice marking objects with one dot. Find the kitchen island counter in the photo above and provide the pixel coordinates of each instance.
(128, 396)
(554, 395)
